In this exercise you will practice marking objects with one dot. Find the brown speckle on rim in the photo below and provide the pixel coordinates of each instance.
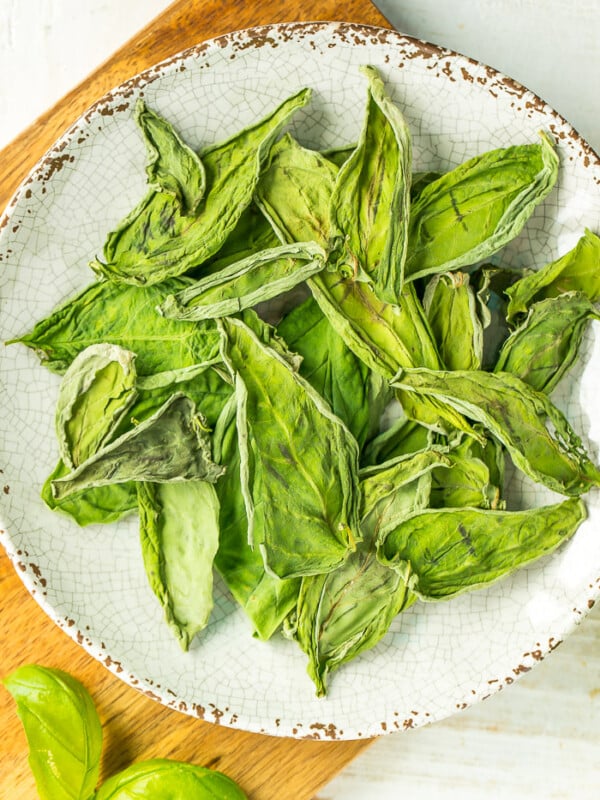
(520, 669)
(408, 723)
(591, 603)
(6, 489)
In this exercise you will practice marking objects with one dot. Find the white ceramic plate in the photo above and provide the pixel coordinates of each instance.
(437, 658)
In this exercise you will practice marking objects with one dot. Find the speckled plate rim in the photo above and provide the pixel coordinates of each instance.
(269, 35)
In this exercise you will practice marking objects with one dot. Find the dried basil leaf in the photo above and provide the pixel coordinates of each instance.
(97, 389)
(576, 271)
(257, 278)
(126, 316)
(179, 532)
(472, 211)
(545, 345)
(299, 463)
(453, 315)
(467, 481)
(539, 439)
(266, 599)
(442, 553)
(355, 394)
(403, 437)
(371, 198)
(347, 611)
(156, 241)
(173, 167)
(171, 445)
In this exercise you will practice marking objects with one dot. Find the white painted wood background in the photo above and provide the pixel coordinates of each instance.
(540, 739)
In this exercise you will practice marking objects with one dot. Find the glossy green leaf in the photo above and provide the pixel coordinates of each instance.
(451, 308)
(299, 463)
(164, 779)
(472, 211)
(356, 394)
(179, 532)
(371, 200)
(545, 346)
(266, 599)
(539, 439)
(63, 731)
(156, 241)
(442, 553)
(576, 271)
(243, 284)
(124, 316)
(171, 445)
(173, 167)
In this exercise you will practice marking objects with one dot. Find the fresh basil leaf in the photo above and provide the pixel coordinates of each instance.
(164, 779)
(63, 731)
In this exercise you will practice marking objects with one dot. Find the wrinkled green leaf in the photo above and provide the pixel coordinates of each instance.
(204, 385)
(467, 481)
(97, 389)
(539, 439)
(474, 210)
(171, 445)
(252, 234)
(347, 611)
(164, 779)
(100, 505)
(294, 193)
(245, 283)
(444, 552)
(173, 167)
(397, 489)
(299, 463)
(356, 395)
(63, 731)
(124, 316)
(371, 198)
(545, 346)
(576, 271)
(179, 532)
(266, 599)
(451, 308)
(403, 437)
(156, 241)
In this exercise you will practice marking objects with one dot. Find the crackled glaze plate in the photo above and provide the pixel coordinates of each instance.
(437, 658)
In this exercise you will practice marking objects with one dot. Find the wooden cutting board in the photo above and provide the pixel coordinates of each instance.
(136, 727)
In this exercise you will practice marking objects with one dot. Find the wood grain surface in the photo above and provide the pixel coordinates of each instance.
(136, 727)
